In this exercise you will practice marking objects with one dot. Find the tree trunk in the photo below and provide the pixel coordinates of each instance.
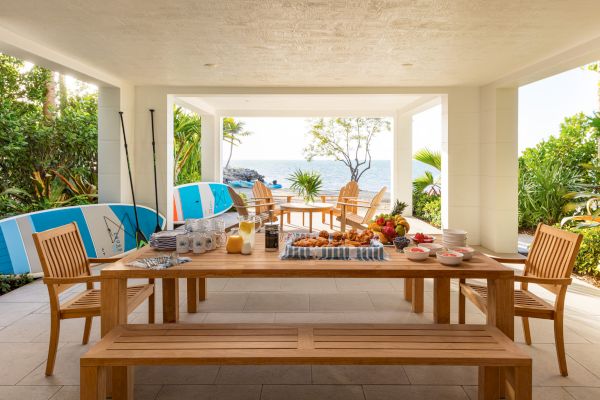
(63, 93)
(230, 153)
(49, 99)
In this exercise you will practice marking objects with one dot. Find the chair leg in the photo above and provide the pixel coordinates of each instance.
(331, 220)
(526, 330)
(560, 344)
(152, 303)
(289, 218)
(461, 304)
(86, 330)
(53, 345)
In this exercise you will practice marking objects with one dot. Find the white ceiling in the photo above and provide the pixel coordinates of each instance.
(303, 105)
(305, 42)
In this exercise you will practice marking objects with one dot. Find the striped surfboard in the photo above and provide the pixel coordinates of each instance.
(200, 200)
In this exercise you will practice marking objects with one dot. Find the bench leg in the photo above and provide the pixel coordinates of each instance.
(192, 294)
(170, 289)
(92, 383)
(519, 383)
(418, 292)
(489, 383)
(122, 383)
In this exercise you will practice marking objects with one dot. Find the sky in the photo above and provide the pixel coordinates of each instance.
(542, 107)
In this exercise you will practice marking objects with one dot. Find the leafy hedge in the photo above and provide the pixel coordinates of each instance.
(588, 260)
(12, 282)
(427, 207)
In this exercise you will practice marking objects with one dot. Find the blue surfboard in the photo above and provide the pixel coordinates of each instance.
(200, 200)
(107, 230)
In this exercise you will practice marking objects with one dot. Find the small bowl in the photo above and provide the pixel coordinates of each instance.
(429, 239)
(467, 252)
(449, 257)
(415, 253)
(432, 247)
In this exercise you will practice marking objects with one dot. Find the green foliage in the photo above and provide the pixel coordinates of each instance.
(427, 207)
(37, 150)
(233, 131)
(187, 136)
(588, 259)
(347, 140)
(399, 207)
(12, 282)
(553, 168)
(307, 184)
(427, 182)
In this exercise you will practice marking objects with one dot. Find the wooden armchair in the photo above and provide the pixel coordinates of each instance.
(354, 219)
(348, 193)
(65, 264)
(262, 209)
(260, 192)
(549, 264)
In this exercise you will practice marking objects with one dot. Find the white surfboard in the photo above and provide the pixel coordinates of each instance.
(200, 200)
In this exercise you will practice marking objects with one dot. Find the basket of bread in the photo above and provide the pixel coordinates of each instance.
(351, 245)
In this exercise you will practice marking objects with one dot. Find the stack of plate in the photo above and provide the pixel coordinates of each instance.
(165, 240)
(454, 238)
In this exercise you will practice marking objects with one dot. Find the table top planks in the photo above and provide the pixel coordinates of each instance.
(218, 263)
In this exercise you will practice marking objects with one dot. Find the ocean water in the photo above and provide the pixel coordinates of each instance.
(334, 173)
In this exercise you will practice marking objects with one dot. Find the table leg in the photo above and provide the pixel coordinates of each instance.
(170, 288)
(201, 289)
(113, 304)
(408, 282)
(418, 292)
(310, 221)
(192, 295)
(343, 219)
(441, 300)
(281, 221)
(303, 223)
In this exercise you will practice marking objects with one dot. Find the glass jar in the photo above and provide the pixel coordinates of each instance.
(271, 236)
(247, 228)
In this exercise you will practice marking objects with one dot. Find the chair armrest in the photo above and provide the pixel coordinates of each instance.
(258, 204)
(354, 205)
(103, 260)
(543, 281)
(70, 281)
(509, 260)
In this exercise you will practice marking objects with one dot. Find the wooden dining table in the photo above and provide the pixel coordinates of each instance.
(262, 264)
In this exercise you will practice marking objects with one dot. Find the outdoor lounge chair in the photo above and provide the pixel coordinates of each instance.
(347, 192)
(354, 219)
(65, 264)
(260, 191)
(263, 210)
(549, 264)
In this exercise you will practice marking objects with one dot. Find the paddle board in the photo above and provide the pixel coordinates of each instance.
(107, 230)
(200, 200)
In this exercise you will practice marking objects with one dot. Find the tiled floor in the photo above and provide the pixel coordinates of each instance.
(24, 326)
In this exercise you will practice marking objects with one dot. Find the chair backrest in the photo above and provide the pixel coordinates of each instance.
(62, 253)
(349, 190)
(260, 190)
(375, 202)
(238, 202)
(552, 254)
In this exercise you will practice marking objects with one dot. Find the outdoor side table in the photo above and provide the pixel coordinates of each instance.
(310, 208)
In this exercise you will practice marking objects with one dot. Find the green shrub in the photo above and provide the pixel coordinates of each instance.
(427, 207)
(12, 282)
(588, 259)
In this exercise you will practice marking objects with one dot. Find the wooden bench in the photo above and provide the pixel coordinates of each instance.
(336, 344)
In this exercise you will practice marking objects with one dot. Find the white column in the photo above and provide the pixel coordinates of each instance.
(499, 169)
(402, 161)
(460, 161)
(211, 148)
(113, 182)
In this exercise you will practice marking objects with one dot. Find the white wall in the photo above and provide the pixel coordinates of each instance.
(402, 161)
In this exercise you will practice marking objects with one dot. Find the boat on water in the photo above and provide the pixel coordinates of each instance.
(249, 184)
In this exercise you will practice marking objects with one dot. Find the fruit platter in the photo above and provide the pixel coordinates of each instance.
(351, 245)
(388, 227)
(422, 238)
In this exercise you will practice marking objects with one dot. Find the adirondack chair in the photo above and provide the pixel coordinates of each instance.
(354, 219)
(347, 192)
(65, 264)
(260, 191)
(549, 264)
(261, 207)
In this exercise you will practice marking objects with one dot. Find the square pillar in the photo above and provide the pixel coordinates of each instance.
(460, 162)
(499, 169)
(402, 161)
(212, 148)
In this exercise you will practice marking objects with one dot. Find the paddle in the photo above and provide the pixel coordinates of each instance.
(140, 238)
(157, 228)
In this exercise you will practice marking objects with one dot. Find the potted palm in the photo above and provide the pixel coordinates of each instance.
(306, 184)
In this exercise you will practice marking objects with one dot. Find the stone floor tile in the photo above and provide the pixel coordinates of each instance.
(71, 330)
(66, 368)
(22, 359)
(309, 285)
(390, 301)
(12, 312)
(542, 331)
(441, 375)
(312, 392)
(538, 393)
(209, 392)
(277, 302)
(140, 392)
(26, 329)
(216, 284)
(585, 326)
(340, 302)
(363, 285)
(27, 392)
(584, 393)
(253, 285)
(176, 375)
(264, 374)
(247, 317)
(586, 355)
(221, 301)
(359, 374)
(414, 392)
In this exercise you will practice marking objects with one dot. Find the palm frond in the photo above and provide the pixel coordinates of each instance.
(429, 157)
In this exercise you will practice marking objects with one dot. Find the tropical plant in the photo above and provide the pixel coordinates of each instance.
(428, 182)
(307, 184)
(585, 202)
(187, 136)
(347, 140)
(588, 258)
(233, 131)
(399, 207)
